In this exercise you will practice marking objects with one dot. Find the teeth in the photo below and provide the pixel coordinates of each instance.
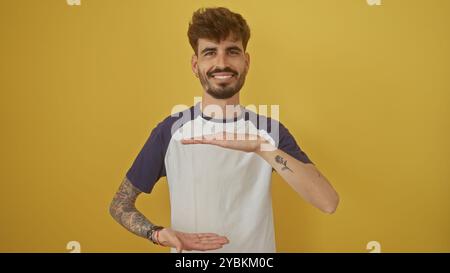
(223, 77)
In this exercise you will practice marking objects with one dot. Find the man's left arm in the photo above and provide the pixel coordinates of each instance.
(304, 178)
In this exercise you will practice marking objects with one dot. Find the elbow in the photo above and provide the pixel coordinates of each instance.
(329, 210)
(331, 207)
(113, 209)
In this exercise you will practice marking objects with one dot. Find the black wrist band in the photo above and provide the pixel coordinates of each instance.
(151, 231)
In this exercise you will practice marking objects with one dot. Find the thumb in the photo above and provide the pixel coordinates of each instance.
(178, 245)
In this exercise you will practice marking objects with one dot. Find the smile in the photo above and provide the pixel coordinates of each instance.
(222, 75)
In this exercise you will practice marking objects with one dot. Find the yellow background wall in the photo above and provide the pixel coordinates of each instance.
(364, 89)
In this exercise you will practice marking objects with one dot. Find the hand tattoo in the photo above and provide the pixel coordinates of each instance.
(283, 162)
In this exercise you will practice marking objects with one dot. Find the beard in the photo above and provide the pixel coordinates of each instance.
(222, 90)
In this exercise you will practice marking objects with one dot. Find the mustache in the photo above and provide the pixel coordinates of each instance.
(217, 70)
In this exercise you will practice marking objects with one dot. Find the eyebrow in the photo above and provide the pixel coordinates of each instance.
(234, 48)
(206, 49)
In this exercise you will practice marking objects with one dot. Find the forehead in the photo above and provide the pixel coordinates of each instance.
(230, 41)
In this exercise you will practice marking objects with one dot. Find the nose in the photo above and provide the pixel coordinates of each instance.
(221, 60)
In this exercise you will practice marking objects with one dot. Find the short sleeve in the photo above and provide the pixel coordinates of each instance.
(288, 145)
(148, 166)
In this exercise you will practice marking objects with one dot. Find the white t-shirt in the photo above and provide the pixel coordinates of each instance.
(214, 189)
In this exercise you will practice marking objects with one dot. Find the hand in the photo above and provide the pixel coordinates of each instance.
(191, 241)
(239, 142)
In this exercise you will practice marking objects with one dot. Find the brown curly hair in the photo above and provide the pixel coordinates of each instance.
(217, 24)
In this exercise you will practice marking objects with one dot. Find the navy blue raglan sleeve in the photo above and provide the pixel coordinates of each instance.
(149, 166)
(288, 145)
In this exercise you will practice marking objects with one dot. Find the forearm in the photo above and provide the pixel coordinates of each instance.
(124, 211)
(305, 179)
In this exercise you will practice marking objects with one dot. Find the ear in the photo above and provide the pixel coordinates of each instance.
(194, 64)
(247, 60)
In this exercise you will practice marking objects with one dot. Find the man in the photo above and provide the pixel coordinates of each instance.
(218, 161)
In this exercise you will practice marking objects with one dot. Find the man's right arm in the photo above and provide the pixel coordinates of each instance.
(124, 211)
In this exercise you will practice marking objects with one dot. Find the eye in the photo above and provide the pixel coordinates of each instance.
(209, 53)
(234, 52)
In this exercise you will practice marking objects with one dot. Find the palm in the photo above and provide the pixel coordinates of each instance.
(201, 241)
(240, 142)
(191, 241)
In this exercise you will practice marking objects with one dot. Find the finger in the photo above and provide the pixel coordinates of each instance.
(203, 247)
(188, 141)
(221, 241)
(208, 141)
(178, 245)
(211, 246)
(208, 235)
(217, 142)
(212, 238)
(209, 240)
(205, 240)
(192, 141)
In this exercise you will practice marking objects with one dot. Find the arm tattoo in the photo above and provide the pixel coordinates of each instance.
(283, 162)
(124, 211)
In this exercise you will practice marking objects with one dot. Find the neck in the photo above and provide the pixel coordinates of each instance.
(228, 106)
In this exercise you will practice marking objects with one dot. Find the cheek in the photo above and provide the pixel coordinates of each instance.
(239, 65)
(202, 69)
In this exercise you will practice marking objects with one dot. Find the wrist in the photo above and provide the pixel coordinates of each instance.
(152, 234)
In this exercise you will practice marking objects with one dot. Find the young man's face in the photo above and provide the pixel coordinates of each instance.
(221, 66)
